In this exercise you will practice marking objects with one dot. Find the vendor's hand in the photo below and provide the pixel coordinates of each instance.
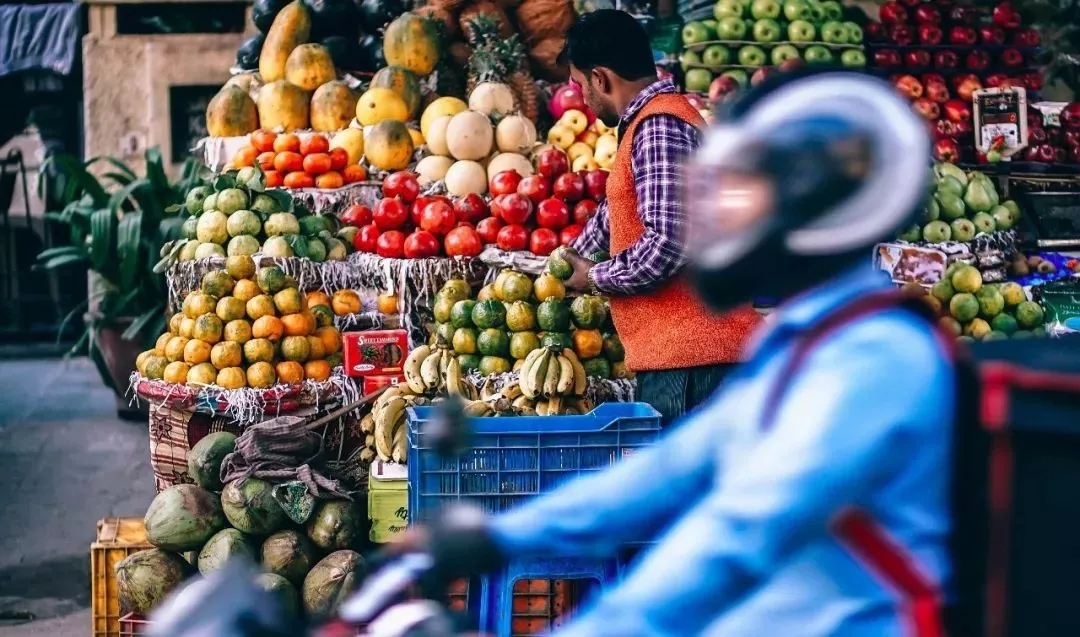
(579, 280)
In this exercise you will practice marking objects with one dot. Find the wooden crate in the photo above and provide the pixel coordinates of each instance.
(116, 539)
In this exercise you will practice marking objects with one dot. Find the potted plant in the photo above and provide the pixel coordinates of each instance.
(118, 222)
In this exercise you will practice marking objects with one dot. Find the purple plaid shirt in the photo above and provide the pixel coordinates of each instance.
(660, 146)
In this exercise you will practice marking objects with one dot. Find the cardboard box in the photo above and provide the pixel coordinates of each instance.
(375, 383)
(375, 352)
(388, 500)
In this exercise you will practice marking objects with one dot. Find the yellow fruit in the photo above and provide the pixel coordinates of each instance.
(309, 66)
(380, 104)
(238, 331)
(218, 283)
(230, 308)
(162, 341)
(387, 304)
(245, 290)
(187, 327)
(174, 322)
(261, 375)
(316, 351)
(258, 350)
(140, 360)
(346, 302)
(271, 279)
(352, 141)
(209, 328)
(300, 324)
(154, 368)
(389, 146)
(283, 106)
(196, 351)
(202, 374)
(295, 348)
(289, 372)
(174, 349)
(548, 287)
(317, 297)
(441, 107)
(198, 303)
(226, 354)
(240, 266)
(260, 306)
(232, 378)
(291, 28)
(401, 82)
(268, 327)
(176, 373)
(317, 370)
(587, 343)
(231, 113)
(331, 339)
(412, 42)
(289, 301)
(332, 107)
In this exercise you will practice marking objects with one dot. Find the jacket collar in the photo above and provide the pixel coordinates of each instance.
(658, 87)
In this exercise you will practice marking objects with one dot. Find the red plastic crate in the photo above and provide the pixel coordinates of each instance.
(538, 606)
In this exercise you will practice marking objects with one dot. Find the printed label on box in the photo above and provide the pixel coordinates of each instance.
(375, 383)
(375, 352)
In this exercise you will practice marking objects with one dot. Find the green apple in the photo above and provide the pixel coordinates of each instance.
(698, 80)
(817, 54)
(766, 31)
(854, 58)
(797, 10)
(801, 31)
(854, 33)
(727, 9)
(731, 29)
(694, 33)
(710, 24)
(833, 32)
(765, 9)
(817, 12)
(738, 75)
(752, 56)
(689, 59)
(715, 56)
(832, 10)
(782, 53)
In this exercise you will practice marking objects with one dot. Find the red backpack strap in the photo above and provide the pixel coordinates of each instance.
(845, 315)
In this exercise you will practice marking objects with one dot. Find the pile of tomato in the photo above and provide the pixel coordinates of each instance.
(294, 162)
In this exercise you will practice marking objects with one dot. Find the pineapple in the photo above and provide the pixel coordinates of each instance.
(502, 60)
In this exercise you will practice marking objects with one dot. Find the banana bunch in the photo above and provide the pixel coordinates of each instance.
(434, 370)
(548, 373)
(512, 401)
(384, 426)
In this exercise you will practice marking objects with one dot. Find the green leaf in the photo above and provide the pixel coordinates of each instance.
(102, 224)
(128, 244)
(298, 245)
(58, 251)
(174, 208)
(60, 261)
(137, 326)
(98, 358)
(283, 199)
(224, 181)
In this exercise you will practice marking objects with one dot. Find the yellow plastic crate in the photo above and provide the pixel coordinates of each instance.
(116, 539)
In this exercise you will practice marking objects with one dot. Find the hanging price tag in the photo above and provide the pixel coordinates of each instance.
(1000, 118)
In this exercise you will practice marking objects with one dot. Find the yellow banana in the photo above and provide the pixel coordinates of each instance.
(512, 391)
(551, 379)
(367, 423)
(444, 362)
(538, 374)
(453, 378)
(566, 375)
(580, 378)
(541, 408)
(369, 440)
(555, 406)
(400, 446)
(477, 409)
(411, 368)
(367, 455)
(487, 390)
(391, 417)
(429, 370)
(525, 375)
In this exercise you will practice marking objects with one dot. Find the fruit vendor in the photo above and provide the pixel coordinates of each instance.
(810, 496)
(679, 348)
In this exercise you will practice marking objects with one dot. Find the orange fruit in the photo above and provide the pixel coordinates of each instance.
(246, 157)
(226, 354)
(317, 370)
(315, 348)
(260, 306)
(289, 301)
(587, 343)
(258, 350)
(317, 163)
(196, 351)
(387, 304)
(346, 302)
(187, 327)
(261, 375)
(238, 331)
(202, 374)
(339, 159)
(274, 179)
(329, 181)
(314, 144)
(289, 372)
(288, 162)
(331, 339)
(295, 348)
(174, 322)
(209, 328)
(176, 373)
(162, 341)
(289, 142)
(174, 349)
(263, 140)
(232, 378)
(265, 160)
(245, 290)
(353, 174)
(297, 181)
(268, 327)
(297, 324)
(318, 297)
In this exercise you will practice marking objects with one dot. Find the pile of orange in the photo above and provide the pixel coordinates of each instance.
(298, 162)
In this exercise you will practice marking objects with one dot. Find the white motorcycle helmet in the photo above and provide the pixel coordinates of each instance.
(796, 182)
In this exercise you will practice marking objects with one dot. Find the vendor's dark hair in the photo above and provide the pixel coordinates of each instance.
(612, 39)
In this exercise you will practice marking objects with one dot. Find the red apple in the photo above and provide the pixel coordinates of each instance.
(932, 78)
(535, 188)
(989, 34)
(909, 85)
(963, 128)
(1070, 116)
(1060, 154)
(910, 4)
(596, 184)
(873, 31)
(1025, 37)
(721, 87)
(995, 80)
(760, 75)
(1071, 138)
(585, 210)
(1012, 58)
(504, 183)
(962, 35)
(902, 34)
(946, 150)
(944, 129)
(884, 57)
(1033, 80)
(565, 98)
(957, 111)
(552, 162)
(1037, 136)
(963, 14)
(1046, 153)
(892, 13)
(930, 34)
(1074, 154)
(946, 59)
(471, 208)
(1006, 16)
(570, 187)
(978, 60)
(917, 59)
(967, 87)
(937, 92)
(927, 13)
(929, 110)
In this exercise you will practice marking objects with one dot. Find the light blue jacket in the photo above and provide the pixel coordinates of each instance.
(745, 520)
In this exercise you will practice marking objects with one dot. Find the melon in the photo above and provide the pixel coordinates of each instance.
(231, 113)
(283, 106)
(432, 168)
(436, 136)
(205, 458)
(509, 161)
(309, 66)
(388, 145)
(492, 98)
(402, 82)
(466, 177)
(469, 135)
(515, 134)
(332, 107)
(379, 104)
(412, 42)
(438, 108)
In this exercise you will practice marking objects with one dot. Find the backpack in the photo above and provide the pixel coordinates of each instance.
(1016, 486)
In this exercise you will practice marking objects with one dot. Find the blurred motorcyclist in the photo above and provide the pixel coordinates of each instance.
(810, 495)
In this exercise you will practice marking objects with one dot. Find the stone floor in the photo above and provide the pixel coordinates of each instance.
(66, 461)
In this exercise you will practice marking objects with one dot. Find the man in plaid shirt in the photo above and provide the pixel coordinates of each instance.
(679, 349)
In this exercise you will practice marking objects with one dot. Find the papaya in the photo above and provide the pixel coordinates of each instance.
(388, 146)
(283, 106)
(290, 29)
(402, 82)
(309, 66)
(249, 82)
(231, 113)
(412, 42)
(332, 107)
(378, 104)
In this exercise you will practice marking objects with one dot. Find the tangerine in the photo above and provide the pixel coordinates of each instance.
(140, 360)
(274, 179)
(230, 308)
(331, 339)
(268, 327)
(548, 287)
(176, 373)
(198, 303)
(295, 348)
(388, 304)
(339, 159)
(261, 375)
(202, 374)
(346, 302)
(174, 322)
(187, 327)
(196, 351)
(587, 343)
(245, 290)
(323, 315)
(245, 157)
(289, 162)
(263, 140)
(314, 144)
(265, 160)
(298, 324)
(317, 164)
(258, 350)
(260, 306)
(318, 297)
(174, 350)
(226, 354)
(238, 331)
(289, 301)
(354, 174)
(316, 350)
(289, 142)
(209, 328)
(154, 368)
(317, 370)
(329, 180)
(232, 378)
(162, 341)
(289, 372)
(298, 181)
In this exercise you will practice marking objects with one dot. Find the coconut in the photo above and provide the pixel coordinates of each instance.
(183, 517)
(250, 506)
(224, 546)
(205, 458)
(145, 578)
(330, 582)
(282, 590)
(337, 524)
(289, 554)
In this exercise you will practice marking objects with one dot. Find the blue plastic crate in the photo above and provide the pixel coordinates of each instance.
(516, 458)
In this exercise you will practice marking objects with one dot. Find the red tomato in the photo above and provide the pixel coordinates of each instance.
(569, 233)
(339, 159)
(391, 244)
(437, 217)
(421, 244)
(357, 215)
(513, 208)
(542, 241)
(463, 242)
(488, 229)
(514, 238)
(504, 183)
(367, 238)
(536, 187)
(390, 214)
(401, 184)
(471, 207)
(584, 210)
(552, 213)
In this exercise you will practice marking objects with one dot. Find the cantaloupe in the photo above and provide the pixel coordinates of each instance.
(388, 145)
(309, 66)
(378, 104)
(432, 168)
(411, 42)
(402, 82)
(438, 108)
(283, 106)
(515, 134)
(436, 136)
(469, 135)
(231, 113)
(290, 29)
(466, 177)
(509, 161)
(492, 98)
(332, 106)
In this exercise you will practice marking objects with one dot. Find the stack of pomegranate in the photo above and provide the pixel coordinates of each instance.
(939, 53)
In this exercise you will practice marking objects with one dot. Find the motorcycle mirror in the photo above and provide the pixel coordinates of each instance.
(448, 430)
